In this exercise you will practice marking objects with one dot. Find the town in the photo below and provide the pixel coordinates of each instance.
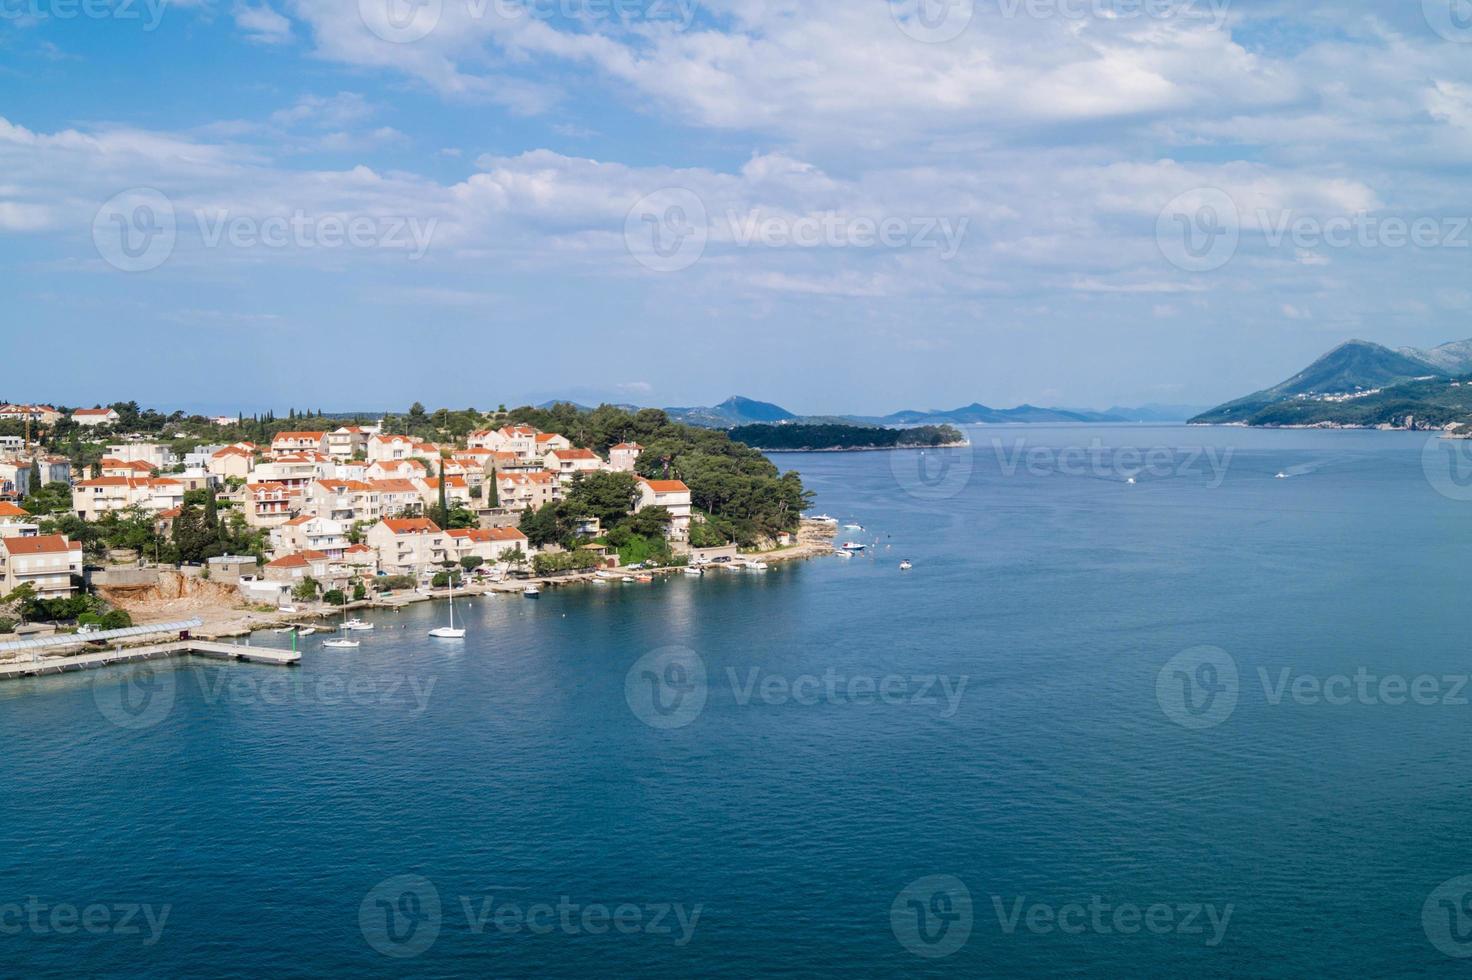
(95, 503)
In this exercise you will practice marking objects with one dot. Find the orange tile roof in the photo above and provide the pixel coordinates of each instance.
(573, 454)
(628, 445)
(665, 486)
(298, 437)
(393, 486)
(521, 478)
(412, 525)
(44, 544)
(7, 509)
(299, 560)
(93, 411)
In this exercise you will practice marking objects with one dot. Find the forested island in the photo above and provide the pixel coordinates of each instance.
(802, 437)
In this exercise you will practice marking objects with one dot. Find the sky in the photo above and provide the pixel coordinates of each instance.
(857, 206)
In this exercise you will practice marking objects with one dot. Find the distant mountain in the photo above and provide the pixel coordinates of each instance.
(1357, 383)
(732, 412)
(979, 414)
(1156, 413)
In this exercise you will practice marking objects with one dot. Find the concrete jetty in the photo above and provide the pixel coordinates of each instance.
(42, 666)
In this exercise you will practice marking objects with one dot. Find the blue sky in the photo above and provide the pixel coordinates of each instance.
(841, 207)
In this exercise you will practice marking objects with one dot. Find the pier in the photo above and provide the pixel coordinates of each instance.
(38, 665)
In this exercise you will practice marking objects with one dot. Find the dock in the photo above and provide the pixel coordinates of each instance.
(38, 665)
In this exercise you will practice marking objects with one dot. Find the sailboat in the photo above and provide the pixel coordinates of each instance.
(342, 642)
(449, 632)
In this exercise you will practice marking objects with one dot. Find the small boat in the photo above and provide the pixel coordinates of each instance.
(843, 553)
(906, 565)
(824, 518)
(853, 546)
(341, 643)
(644, 578)
(1130, 481)
(756, 566)
(1281, 476)
(449, 632)
(357, 625)
(531, 592)
(288, 610)
(693, 570)
(306, 631)
(285, 629)
(853, 527)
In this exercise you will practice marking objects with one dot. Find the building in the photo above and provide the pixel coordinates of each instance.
(295, 470)
(93, 498)
(311, 533)
(43, 414)
(398, 498)
(15, 522)
(46, 562)
(51, 469)
(674, 497)
(297, 567)
(410, 546)
(548, 441)
(381, 447)
(518, 439)
(15, 478)
(155, 455)
(457, 491)
(90, 417)
(568, 463)
(233, 461)
(490, 544)
(299, 442)
(623, 456)
(347, 442)
(269, 504)
(135, 468)
(527, 491)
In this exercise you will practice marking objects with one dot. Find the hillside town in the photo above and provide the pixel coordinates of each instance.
(344, 512)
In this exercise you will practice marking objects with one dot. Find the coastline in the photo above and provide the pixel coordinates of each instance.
(869, 449)
(222, 621)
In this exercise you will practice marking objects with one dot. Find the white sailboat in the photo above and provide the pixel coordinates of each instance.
(342, 642)
(449, 632)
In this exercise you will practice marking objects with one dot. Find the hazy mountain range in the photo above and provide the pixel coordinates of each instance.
(1363, 383)
(738, 410)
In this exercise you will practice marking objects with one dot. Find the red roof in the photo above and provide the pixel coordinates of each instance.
(298, 437)
(666, 486)
(93, 411)
(483, 535)
(573, 454)
(7, 509)
(299, 560)
(628, 445)
(45, 544)
(412, 525)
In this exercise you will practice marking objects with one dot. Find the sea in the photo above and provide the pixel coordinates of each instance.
(1152, 700)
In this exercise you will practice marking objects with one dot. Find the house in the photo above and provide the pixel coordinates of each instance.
(136, 468)
(381, 447)
(15, 478)
(399, 469)
(296, 567)
(347, 442)
(409, 546)
(269, 504)
(622, 457)
(311, 533)
(224, 421)
(51, 469)
(527, 491)
(44, 414)
(548, 441)
(398, 498)
(457, 491)
(232, 461)
(154, 454)
(348, 501)
(568, 463)
(15, 521)
(90, 417)
(93, 498)
(295, 470)
(299, 442)
(785, 539)
(518, 439)
(46, 562)
(490, 544)
(674, 497)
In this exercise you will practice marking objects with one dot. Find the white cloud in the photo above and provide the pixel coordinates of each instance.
(261, 24)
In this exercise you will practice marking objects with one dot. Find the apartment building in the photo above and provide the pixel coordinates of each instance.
(46, 562)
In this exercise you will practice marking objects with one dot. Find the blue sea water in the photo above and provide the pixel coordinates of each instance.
(1081, 737)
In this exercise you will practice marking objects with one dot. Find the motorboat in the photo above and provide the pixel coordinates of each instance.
(1281, 476)
(824, 518)
(853, 527)
(906, 565)
(357, 625)
(756, 566)
(306, 631)
(694, 570)
(531, 592)
(853, 546)
(341, 643)
(843, 553)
